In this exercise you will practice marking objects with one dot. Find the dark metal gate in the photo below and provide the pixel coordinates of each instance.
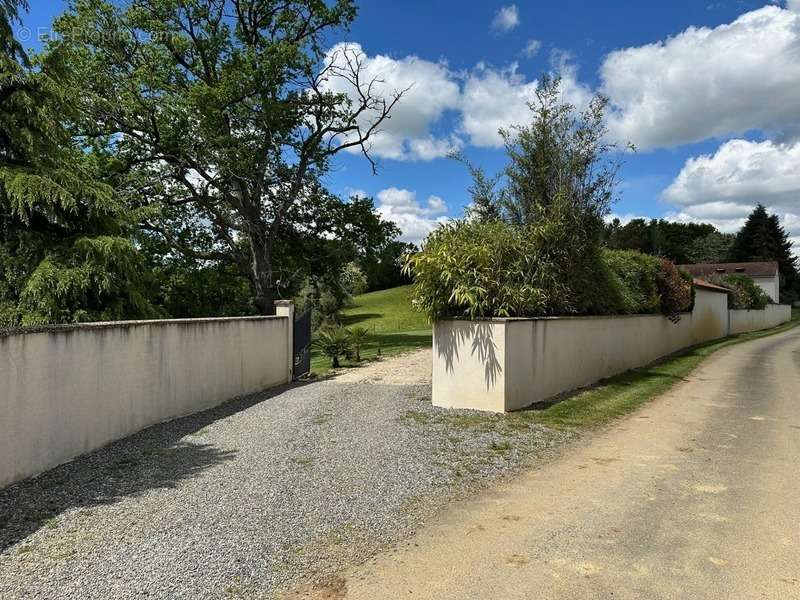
(301, 362)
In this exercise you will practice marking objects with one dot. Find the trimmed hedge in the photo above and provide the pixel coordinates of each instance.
(473, 269)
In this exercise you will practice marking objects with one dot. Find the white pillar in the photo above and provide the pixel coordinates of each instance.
(285, 308)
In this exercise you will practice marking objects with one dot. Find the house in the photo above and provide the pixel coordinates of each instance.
(764, 274)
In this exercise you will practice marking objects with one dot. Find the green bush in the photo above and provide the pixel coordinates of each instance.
(353, 278)
(637, 276)
(746, 294)
(333, 342)
(650, 285)
(473, 269)
(675, 289)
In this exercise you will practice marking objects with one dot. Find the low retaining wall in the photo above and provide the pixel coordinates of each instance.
(501, 365)
(754, 320)
(65, 391)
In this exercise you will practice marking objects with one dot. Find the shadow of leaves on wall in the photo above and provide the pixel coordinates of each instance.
(452, 336)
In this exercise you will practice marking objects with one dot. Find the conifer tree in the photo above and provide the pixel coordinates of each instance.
(763, 238)
(65, 250)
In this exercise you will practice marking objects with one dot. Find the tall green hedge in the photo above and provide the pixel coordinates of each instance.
(473, 269)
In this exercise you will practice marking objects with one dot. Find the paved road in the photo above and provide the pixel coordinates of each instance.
(695, 496)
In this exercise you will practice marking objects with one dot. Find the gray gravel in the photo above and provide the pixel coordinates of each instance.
(261, 493)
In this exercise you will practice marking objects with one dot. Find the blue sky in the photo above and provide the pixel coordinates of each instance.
(708, 91)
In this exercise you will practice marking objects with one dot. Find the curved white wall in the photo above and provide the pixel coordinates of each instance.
(66, 391)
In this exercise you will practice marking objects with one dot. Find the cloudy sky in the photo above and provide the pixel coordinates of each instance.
(707, 91)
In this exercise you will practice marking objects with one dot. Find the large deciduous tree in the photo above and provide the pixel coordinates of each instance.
(218, 116)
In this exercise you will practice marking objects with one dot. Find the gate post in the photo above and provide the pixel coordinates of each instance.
(285, 308)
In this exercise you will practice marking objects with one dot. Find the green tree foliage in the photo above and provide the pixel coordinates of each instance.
(543, 254)
(11, 52)
(219, 117)
(333, 342)
(713, 247)
(638, 276)
(65, 249)
(561, 155)
(476, 269)
(763, 238)
(484, 193)
(384, 268)
(681, 243)
(354, 279)
(746, 294)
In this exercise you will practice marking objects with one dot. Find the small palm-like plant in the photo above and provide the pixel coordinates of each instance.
(358, 336)
(333, 342)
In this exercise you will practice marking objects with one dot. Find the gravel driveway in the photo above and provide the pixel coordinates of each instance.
(262, 492)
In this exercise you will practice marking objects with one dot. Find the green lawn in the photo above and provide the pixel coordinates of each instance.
(394, 326)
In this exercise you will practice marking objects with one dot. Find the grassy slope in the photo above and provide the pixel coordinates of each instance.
(394, 326)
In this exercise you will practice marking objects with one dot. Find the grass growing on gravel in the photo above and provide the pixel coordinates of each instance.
(393, 325)
(624, 393)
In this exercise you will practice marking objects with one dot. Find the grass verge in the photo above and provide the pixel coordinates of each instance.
(619, 395)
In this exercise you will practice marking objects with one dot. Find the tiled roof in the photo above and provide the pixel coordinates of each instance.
(753, 269)
(710, 286)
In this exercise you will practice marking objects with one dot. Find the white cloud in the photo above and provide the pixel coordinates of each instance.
(485, 98)
(723, 188)
(415, 219)
(706, 83)
(431, 88)
(741, 171)
(498, 98)
(506, 19)
(793, 5)
(624, 219)
(355, 192)
(533, 46)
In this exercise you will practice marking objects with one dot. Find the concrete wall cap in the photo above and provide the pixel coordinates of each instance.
(72, 327)
(552, 318)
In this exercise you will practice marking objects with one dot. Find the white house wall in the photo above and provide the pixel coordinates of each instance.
(770, 285)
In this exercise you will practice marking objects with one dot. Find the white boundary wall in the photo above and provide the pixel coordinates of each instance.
(754, 320)
(65, 391)
(501, 365)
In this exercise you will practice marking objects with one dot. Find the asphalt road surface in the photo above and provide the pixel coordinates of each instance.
(695, 496)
